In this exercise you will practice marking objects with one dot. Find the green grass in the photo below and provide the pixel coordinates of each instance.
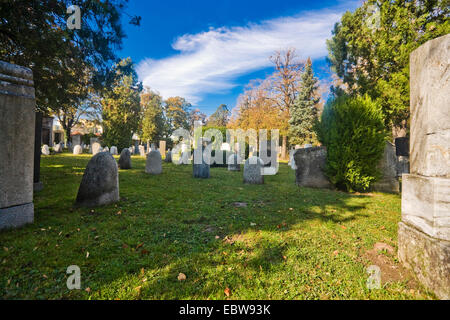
(288, 243)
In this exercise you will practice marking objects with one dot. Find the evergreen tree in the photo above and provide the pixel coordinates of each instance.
(303, 113)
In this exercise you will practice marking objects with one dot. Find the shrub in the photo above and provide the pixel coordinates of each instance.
(353, 131)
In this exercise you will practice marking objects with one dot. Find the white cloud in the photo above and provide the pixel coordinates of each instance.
(210, 61)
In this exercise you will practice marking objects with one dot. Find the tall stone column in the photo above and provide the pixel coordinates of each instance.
(17, 121)
(424, 232)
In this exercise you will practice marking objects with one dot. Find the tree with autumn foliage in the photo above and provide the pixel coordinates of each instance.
(153, 126)
(177, 111)
(121, 106)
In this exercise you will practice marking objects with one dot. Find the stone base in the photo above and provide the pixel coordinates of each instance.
(17, 216)
(427, 257)
(388, 186)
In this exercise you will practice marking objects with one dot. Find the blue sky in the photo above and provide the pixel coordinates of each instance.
(207, 51)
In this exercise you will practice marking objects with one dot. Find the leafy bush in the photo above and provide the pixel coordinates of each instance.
(353, 131)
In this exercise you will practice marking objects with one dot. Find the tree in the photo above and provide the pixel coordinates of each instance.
(177, 113)
(196, 115)
(303, 113)
(286, 82)
(220, 117)
(153, 124)
(121, 106)
(370, 50)
(34, 34)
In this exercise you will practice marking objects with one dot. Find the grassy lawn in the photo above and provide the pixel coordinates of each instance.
(287, 243)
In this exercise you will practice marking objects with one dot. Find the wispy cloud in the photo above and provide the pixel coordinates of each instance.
(209, 62)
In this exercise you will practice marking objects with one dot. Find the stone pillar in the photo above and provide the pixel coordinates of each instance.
(162, 148)
(17, 134)
(38, 186)
(424, 232)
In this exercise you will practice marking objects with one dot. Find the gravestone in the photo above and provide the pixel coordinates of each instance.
(424, 232)
(106, 149)
(388, 167)
(234, 162)
(185, 158)
(402, 147)
(45, 150)
(113, 151)
(142, 151)
(96, 148)
(100, 183)
(168, 156)
(77, 150)
(162, 147)
(76, 140)
(253, 171)
(201, 168)
(17, 135)
(136, 147)
(154, 162)
(125, 159)
(57, 148)
(310, 164)
(37, 184)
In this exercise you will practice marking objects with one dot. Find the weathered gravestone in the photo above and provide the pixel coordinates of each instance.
(154, 162)
(106, 149)
(234, 162)
(310, 164)
(201, 168)
(100, 183)
(424, 232)
(388, 168)
(45, 150)
(77, 149)
(253, 167)
(162, 147)
(17, 134)
(142, 151)
(96, 148)
(57, 148)
(168, 156)
(114, 151)
(125, 159)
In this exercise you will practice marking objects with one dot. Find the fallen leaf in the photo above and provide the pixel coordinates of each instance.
(144, 252)
(336, 252)
(88, 290)
(227, 291)
(217, 237)
(181, 277)
(139, 245)
(125, 246)
(344, 227)
(87, 254)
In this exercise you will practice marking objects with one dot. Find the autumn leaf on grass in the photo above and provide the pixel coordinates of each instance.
(139, 245)
(336, 252)
(88, 290)
(181, 277)
(227, 291)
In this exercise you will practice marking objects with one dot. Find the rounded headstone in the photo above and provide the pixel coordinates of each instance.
(77, 149)
(168, 156)
(253, 171)
(57, 148)
(114, 151)
(125, 159)
(142, 151)
(234, 162)
(45, 150)
(106, 149)
(154, 162)
(100, 183)
(96, 148)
